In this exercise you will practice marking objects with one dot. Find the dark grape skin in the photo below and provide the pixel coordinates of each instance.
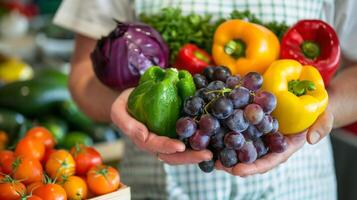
(221, 108)
(240, 97)
(205, 94)
(253, 81)
(200, 81)
(276, 142)
(208, 125)
(228, 157)
(185, 127)
(193, 106)
(234, 140)
(199, 141)
(252, 133)
(266, 100)
(260, 147)
(233, 81)
(237, 122)
(216, 141)
(248, 153)
(208, 73)
(221, 73)
(253, 113)
(216, 85)
(206, 166)
(275, 126)
(266, 125)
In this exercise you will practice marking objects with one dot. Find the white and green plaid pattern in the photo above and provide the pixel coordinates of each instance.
(308, 175)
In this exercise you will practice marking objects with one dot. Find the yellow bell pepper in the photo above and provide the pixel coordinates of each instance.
(244, 47)
(300, 92)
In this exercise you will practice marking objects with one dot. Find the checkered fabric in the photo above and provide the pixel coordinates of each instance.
(307, 175)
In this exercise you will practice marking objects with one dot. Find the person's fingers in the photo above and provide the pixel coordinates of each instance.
(160, 144)
(186, 157)
(320, 128)
(124, 121)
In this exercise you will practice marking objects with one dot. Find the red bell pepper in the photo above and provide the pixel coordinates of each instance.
(313, 42)
(192, 59)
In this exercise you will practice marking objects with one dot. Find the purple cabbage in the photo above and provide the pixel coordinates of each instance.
(126, 53)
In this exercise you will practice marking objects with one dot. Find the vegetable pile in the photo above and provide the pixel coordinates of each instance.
(37, 171)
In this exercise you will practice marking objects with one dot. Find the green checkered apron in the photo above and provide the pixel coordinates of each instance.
(307, 175)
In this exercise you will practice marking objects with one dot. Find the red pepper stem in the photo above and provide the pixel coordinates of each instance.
(300, 88)
(199, 55)
(310, 49)
(235, 48)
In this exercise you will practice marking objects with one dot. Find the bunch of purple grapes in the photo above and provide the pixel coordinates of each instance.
(230, 116)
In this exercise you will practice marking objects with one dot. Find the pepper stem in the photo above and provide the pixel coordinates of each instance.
(200, 56)
(310, 49)
(235, 48)
(300, 88)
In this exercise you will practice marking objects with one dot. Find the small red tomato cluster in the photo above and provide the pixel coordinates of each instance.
(37, 171)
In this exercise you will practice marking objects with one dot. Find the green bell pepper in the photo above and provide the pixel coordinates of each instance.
(158, 99)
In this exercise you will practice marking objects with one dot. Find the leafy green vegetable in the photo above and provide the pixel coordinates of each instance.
(178, 29)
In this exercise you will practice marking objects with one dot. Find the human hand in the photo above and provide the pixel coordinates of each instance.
(315, 133)
(169, 150)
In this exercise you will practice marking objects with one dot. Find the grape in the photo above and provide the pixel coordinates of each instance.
(232, 81)
(207, 166)
(248, 153)
(221, 73)
(221, 108)
(185, 127)
(260, 147)
(208, 125)
(193, 106)
(266, 125)
(252, 133)
(234, 140)
(253, 113)
(276, 142)
(240, 97)
(228, 157)
(200, 81)
(266, 100)
(208, 72)
(216, 140)
(205, 94)
(275, 126)
(199, 141)
(236, 122)
(253, 81)
(216, 85)
(186, 141)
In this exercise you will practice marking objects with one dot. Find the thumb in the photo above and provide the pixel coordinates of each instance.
(320, 128)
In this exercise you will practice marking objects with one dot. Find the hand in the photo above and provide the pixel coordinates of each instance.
(169, 150)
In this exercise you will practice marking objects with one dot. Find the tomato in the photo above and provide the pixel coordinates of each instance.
(6, 159)
(50, 191)
(60, 164)
(31, 148)
(27, 169)
(11, 189)
(42, 134)
(103, 179)
(31, 187)
(33, 197)
(4, 139)
(85, 157)
(75, 187)
(48, 153)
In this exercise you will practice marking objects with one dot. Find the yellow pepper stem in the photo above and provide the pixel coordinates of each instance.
(300, 88)
(310, 49)
(235, 48)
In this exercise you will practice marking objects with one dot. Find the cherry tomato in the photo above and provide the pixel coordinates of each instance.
(42, 134)
(85, 157)
(31, 148)
(6, 159)
(48, 153)
(75, 187)
(103, 179)
(50, 191)
(11, 189)
(60, 164)
(31, 187)
(27, 169)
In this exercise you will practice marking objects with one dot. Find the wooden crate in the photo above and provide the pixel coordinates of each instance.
(122, 194)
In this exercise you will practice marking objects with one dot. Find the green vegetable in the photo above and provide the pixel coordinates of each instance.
(178, 29)
(56, 126)
(158, 98)
(76, 137)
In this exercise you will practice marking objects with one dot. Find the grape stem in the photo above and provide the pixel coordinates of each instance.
(221, 92)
